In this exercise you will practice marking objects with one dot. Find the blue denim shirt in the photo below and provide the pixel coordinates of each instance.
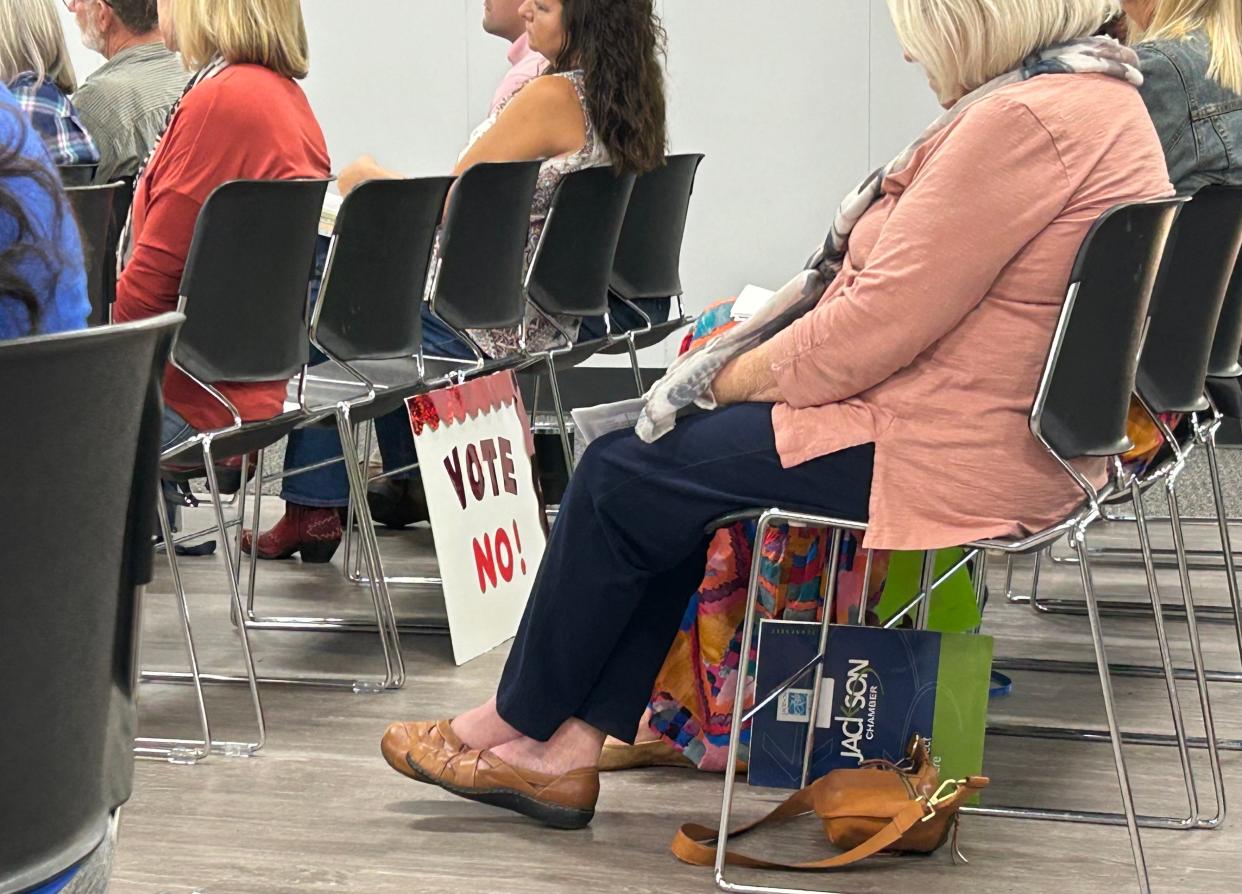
(1199, 120)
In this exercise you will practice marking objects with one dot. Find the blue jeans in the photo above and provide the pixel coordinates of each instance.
(329, 486)
(174, 429)
(624, 319)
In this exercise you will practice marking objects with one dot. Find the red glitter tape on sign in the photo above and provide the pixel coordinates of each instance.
(456, 403)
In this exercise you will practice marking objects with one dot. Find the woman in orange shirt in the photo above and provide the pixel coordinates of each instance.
(243, 117)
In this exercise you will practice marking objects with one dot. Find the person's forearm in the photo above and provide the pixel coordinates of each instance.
(747, 378)
(362, 170)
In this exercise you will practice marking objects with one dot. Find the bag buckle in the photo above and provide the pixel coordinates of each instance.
(948, 789)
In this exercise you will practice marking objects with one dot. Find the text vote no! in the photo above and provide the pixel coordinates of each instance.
(488, 468)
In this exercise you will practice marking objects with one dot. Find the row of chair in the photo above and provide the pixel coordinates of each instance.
(244, 295)
(1153, 308)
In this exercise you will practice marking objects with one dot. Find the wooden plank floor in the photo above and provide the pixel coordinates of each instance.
(319, 811)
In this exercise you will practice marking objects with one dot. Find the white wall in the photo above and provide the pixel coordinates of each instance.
(793, 102)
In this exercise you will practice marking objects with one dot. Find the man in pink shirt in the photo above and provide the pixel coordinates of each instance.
(502, 18)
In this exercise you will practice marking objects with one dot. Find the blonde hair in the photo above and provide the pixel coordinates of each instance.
(271, 33)
(1221, 19)
(963, 44)
(31, 39)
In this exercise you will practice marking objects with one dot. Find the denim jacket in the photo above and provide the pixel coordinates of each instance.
(1199, 121)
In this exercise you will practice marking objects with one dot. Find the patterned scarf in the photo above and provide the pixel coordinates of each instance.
(125, 246)
(689, 379)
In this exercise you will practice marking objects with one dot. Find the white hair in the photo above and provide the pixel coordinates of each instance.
(963, 44)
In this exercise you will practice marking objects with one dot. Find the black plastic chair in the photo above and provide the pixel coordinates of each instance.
(572, 266)
(1186, 327)
(244, 294)
(94, 207)
(70, 608)
(368, 323)
(648, 261)
(478, 283)
(1079, 411)
(77, 175)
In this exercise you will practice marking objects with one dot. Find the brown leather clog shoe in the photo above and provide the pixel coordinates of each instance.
(434, 743)
(566, 801)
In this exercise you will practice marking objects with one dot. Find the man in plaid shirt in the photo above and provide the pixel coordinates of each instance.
(56, 120)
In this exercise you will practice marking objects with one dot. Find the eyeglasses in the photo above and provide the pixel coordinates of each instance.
(70, 4)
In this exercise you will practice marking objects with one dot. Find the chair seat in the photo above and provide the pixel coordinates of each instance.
(579, 352)
(658, 333)
(395, 380)
(184, 461)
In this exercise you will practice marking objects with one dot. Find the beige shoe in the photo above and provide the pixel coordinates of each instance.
(620, 756)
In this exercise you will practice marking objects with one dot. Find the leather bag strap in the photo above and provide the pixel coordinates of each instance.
(695, 844)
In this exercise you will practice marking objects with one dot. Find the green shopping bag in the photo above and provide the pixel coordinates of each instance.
(953, 608)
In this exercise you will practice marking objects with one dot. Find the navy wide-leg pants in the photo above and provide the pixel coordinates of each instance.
(629, 549)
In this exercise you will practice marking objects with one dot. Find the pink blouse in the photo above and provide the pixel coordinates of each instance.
(931, 341)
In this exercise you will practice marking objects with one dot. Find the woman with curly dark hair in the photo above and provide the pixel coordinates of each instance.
(601, 102)
(42, 279)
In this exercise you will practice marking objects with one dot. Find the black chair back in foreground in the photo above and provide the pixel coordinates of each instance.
(573, 262)
(246, 279)
(70, 605)
(1084, 395)
(370, 307)
(1186, 305)
(483, 247)
(94, 209)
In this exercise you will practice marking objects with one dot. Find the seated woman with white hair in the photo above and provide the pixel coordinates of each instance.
(938, 303)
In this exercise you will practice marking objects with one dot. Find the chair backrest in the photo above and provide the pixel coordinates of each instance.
(93, 207)
(246, 281)
(77, 175)
(69, 604)
(573, 262)
(1186, 306)
(483, 246)
(1223, 362)
(1084, 395)
(648, 261)
(370, 303)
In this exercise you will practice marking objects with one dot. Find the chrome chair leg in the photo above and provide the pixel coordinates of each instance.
(829, 591)
(632, 349)
(235, 592)
(1110, 711)
(1166, 657)
(179, 751)
(562, 425)
(385, 614)
(1196, 651)
(254, 541)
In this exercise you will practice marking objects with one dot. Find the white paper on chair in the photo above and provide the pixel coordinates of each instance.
(748, 302)
(593, 422)
(474, 448)
(327, 215)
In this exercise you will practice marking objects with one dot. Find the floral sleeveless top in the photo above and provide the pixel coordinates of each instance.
(540, 334)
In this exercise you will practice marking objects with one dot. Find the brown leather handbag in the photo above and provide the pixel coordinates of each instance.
(878, 807)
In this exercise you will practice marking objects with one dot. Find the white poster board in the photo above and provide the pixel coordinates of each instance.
(475, 448)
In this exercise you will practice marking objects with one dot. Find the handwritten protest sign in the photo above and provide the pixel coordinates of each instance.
(475, 448)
